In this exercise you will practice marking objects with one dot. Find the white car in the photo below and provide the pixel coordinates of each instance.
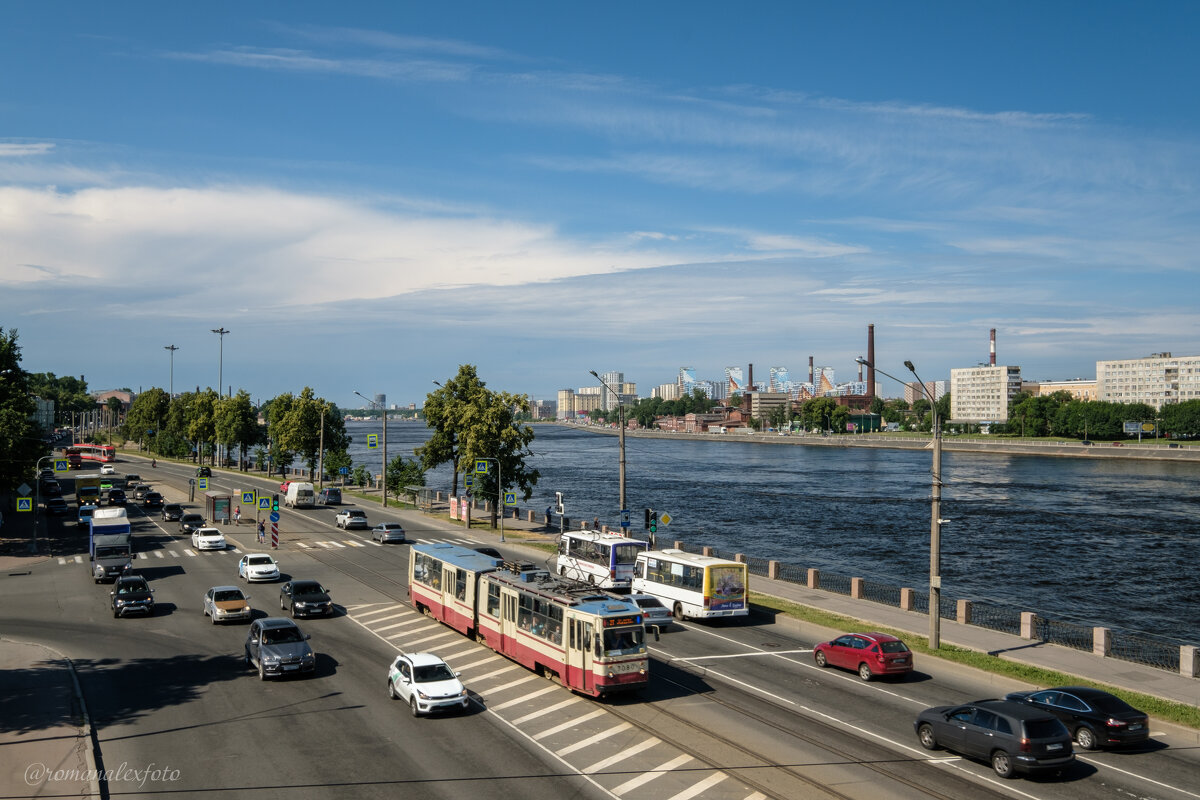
(258, 567)
(653, 611)
(208, 539)
(426, 683)
(225, 603)
(349, 518)
(108, 469)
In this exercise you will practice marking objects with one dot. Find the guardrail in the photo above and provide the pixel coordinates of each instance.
(1168, 654)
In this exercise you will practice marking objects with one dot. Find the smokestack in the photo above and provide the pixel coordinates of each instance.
(992, 360)
(870, 360)
(810, 369)
(751, 383)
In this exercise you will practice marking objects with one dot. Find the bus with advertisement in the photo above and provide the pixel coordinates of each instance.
(589, 641)
(601, 559)
(693, 586)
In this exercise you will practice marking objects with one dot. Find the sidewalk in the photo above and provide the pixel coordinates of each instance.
(44, 733)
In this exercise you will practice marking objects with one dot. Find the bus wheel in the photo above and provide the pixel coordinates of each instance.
(678, 611)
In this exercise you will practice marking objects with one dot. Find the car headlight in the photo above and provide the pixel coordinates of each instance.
(308, 657)
(422, 695)
(463, 693)
(269, 659)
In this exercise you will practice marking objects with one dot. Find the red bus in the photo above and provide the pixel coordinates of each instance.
(591, 642)
(102, 453)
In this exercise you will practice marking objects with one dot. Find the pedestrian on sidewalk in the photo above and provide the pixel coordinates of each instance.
(237, 515)
(262, 532)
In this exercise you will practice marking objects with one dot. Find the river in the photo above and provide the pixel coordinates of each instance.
(1107, 542)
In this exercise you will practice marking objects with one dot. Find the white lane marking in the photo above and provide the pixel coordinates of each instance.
(701, 787)
(547, 710)
(625, 754)
(466, 651)
(757, 796)
(141, 555)
(496, 672)
(525, 698)
(743, 655)
(646, 777)
(400, 624)
(571, 723)
(62, 561)
(1137, 776)
(377, 544)
(511, 684)
(357, 606)
(78, 559)
(353, 543)
(304, 546)
(481, 662)
(159, 554)
(387, 607)
(385, 619)
(189, 551)
(435, 637)
(591, 740)
(173, 554)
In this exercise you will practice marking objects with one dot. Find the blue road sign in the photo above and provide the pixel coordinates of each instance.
(248, 497)
(510, 498)
(372, 441)
(481, 466)
(344, 471)
(24, 504)
(202, 484)
(264, 503)
(469, 480)
(274, 516)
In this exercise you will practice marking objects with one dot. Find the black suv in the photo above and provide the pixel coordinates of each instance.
(1013, 737)
(172, 511)
(152, 500)
(132, 595)
(203, 472)
(305, 598)
(116, 497)
(191, 522)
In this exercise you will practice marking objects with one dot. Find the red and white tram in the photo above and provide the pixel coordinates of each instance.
(591, 642)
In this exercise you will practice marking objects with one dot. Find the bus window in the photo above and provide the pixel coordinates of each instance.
(460, 584)
(493, 599)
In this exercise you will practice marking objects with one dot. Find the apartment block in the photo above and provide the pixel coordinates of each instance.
(983, 394)
(1158, 380)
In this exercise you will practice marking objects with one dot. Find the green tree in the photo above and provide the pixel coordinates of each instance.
(20, 437)
(236, 423)
(202, 420)
(335, 460)
(402, 472)
(69, 394)
(147, 412)
(295, 425)
(472, 422)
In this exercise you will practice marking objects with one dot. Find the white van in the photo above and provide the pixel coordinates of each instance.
(300, 495)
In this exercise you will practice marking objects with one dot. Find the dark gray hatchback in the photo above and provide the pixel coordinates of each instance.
(1012, 737)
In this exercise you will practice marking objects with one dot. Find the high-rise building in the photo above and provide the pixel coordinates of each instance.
(1157, 380)
(913, 391)
(613, 380)
(381, 400)
(983, 394)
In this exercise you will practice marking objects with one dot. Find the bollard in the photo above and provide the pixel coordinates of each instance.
(907, 603)
(678, 545)
(963, 615)
(708, 551)
(1028, 625)
(856, 588)
(1189, 661)
(1101, 642)
(739, 558)
(814, 579)
(773, 570)
(529, 516)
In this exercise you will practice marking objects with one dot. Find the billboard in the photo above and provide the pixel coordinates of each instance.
(733, 378)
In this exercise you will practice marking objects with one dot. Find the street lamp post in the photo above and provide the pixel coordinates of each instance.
(383, 472)
(620, 440)
(172, 348)
(220, 372)
(935, 511)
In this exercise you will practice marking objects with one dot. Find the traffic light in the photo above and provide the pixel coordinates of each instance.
(646, 524)
(274, 502)
(653, 521)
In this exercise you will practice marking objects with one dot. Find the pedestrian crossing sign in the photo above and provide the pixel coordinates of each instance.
(62, 465)
(510, 498)
(202, 484)
(264, 503)
(481, 466)
(372, 441)
(24, 504)
(248, 498)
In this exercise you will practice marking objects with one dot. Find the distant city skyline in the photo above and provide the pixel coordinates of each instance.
(367, 196)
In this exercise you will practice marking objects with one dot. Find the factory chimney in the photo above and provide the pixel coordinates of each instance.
(992, 359)
(810, 369)
(751, 383)
(870, 361)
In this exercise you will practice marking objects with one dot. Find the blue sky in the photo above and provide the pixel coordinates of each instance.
(368, 195)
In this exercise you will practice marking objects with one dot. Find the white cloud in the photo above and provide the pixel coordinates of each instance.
(19, 149)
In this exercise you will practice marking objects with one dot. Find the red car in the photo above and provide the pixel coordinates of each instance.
(869, 654)
(283, 486)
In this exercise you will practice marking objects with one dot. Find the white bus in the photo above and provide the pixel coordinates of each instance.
(602, 559)
(693, 586)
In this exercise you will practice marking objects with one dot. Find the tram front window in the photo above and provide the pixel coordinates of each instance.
(620, 641)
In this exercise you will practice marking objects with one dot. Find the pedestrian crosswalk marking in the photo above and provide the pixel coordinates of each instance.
(353, 543)
(158, 553)
(305, 546)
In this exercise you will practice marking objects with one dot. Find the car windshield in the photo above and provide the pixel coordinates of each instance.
(311, 588)
(432, 672)
(129, 587)
(282, 636)
(192, 518)
(259, 561)
(111, 552)
(1044, 729)
(622, 640)
(893, 647)
(227, 595)
(1110, 705)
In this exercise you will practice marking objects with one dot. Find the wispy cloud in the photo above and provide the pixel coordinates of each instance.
(22, 149)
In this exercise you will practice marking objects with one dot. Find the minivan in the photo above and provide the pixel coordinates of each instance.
(331, 496)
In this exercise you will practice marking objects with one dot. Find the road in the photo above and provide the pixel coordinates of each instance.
(733, 711)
